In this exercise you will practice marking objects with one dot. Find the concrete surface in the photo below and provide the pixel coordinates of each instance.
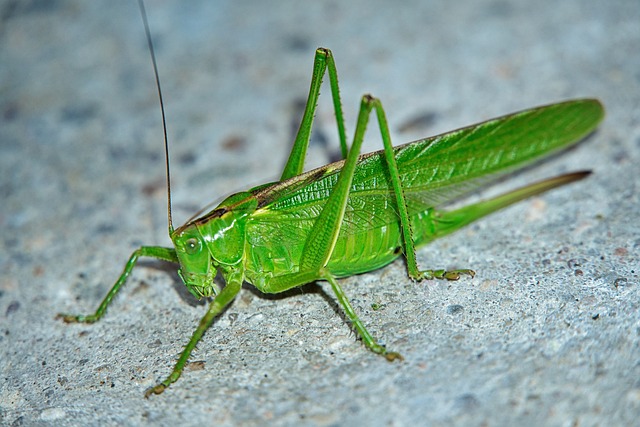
(547, 333)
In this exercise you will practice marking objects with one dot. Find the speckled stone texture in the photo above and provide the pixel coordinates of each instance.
(547, 333)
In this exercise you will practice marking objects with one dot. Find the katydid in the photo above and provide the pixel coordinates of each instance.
(358, 214)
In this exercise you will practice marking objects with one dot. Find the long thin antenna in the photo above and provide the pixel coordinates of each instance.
(164, 120)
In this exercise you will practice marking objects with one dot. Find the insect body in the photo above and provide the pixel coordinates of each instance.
(358, 214)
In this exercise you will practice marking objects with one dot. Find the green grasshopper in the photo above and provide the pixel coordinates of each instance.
(358, 214)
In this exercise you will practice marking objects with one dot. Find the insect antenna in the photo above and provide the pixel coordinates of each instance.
(164, 121)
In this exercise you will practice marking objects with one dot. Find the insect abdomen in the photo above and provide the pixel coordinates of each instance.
(274, 249)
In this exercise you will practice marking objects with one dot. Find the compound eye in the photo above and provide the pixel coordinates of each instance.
(192, 246)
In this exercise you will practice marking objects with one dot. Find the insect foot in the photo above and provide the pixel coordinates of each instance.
(154, 390)
(447, 274)
(73, 318)
(392, 355)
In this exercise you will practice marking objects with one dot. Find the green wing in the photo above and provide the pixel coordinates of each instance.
(433, 171)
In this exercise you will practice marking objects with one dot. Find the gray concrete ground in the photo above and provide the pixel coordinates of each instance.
(547, 333)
